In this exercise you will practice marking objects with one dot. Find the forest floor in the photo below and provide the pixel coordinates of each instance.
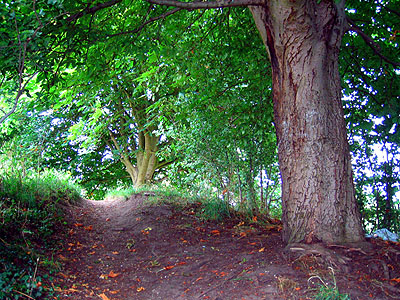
(125, 249)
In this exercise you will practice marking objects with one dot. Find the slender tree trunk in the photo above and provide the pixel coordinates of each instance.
(146, 158)
(318, 198)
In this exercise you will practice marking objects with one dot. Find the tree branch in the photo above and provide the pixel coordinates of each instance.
(370, 42)
(166, 14)
(91, 10)
(392, 11)
(207, 4)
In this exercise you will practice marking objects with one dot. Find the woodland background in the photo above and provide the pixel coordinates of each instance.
(124, 96)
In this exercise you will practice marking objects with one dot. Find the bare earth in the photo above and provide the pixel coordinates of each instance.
(123, 249)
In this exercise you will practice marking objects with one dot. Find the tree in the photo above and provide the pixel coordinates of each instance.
(303, 39)
(225, 135)
(372, 109)
(112, 97)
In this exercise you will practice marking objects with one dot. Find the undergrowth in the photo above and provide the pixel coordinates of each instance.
(326, 291)
(29, 215)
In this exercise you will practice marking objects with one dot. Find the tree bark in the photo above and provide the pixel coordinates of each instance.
(318, 197)
(146, 157)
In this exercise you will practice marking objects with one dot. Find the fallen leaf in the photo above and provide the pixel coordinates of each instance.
(91, 253)
(108, 219)
(168, 267)
(132, 250)
(139, 289)
(200, 278)
(181, 263)
(104, 297)
(203, 241)
(78, 225)
(115, 252)
(114, 292)
(89, 228)
(112, 274)
(396, 279)
(215, 232)
(243, 234)
(255, 218)
(262, 249)
(63, 275)
(63, 258)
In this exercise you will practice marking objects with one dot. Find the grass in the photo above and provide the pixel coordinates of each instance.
(121, 192)
(29, 215)
(327, 291)
(211, 208)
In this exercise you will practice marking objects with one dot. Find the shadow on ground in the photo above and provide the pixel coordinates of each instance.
(122, 249)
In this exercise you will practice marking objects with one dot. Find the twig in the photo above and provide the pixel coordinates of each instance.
(23, 294)
(370, 42)
(34, 275)
(221, 284)
(137, 30)
(207, 4)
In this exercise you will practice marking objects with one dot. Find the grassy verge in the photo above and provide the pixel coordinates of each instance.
(29, 215)
(210, 208)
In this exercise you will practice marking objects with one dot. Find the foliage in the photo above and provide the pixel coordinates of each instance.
(371, 87)
(214, 209)
(330, 293)
(200, 81)
(223, 128)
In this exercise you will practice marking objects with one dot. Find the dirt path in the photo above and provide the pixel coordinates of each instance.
(125, 249)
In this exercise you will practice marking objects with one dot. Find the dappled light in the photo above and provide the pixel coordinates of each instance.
(170, 149)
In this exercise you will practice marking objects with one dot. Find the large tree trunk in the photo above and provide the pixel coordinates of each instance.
(303, 40)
